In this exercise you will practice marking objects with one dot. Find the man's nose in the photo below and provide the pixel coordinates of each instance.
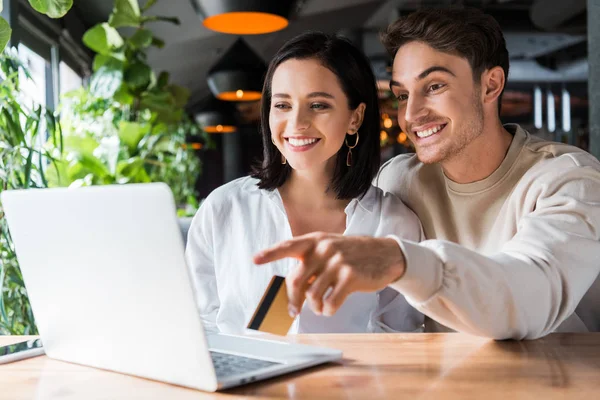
(415, 109)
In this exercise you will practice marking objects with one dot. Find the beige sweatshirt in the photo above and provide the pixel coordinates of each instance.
(509, 256)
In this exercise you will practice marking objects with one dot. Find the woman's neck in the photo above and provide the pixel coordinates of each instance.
(310, 190)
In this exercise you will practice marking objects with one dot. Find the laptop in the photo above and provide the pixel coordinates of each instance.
(105, 272)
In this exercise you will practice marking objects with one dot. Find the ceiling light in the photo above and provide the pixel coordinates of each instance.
(245, 17)
(215, 116)
(238, 75)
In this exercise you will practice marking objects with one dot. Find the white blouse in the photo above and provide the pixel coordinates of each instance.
(238, 220)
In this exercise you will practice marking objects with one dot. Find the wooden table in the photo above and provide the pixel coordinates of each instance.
(376, 366)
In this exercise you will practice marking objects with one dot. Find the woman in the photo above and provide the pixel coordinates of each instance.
(320, 129)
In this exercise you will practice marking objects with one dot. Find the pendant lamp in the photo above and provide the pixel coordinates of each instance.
(245, 17)
(216, 116)
(239, 74)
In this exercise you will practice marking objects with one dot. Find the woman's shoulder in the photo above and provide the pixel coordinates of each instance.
(236, 190)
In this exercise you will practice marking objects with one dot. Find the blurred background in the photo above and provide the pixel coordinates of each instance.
(96, 92)
(547, 90)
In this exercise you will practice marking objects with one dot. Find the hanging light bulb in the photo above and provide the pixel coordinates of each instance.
(245, 17)
(238, 75)
(215, 116)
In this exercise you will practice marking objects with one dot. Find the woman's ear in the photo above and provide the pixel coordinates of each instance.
(357, 118)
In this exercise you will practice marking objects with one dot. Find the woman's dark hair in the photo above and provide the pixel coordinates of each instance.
(465, 32)
(356, 78)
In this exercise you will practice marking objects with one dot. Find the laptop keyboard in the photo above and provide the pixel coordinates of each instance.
(229, 364)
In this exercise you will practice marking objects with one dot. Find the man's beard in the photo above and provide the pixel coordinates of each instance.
(462, 136)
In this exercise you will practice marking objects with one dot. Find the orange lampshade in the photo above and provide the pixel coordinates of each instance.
(215, 116)
(245, 17)
(220, 129)
(245, 23)
(240, 95)
(238, 75)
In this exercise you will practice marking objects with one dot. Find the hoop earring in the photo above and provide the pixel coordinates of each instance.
(283, 160)
(349, 156)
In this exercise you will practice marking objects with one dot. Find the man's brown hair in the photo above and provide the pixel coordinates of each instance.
(467, 33)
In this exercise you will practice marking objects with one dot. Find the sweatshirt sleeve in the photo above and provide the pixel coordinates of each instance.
(200, 261)
(394, 313)
(534, 283)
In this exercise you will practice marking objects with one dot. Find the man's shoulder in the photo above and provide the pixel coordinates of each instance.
(555, 155)
(396, 169)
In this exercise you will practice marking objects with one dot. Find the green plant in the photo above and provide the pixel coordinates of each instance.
(52, 8)
(129, 126)
(22, 166)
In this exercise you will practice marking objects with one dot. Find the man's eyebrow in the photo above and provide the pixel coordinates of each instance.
(424, 74)
(435, 68)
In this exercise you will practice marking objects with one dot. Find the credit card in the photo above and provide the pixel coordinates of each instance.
(271, 314)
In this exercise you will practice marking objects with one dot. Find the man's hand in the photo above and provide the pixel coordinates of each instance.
(344, 263)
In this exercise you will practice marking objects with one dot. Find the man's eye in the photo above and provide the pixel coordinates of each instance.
(435, 87)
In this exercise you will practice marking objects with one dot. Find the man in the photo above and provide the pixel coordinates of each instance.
(512, 222)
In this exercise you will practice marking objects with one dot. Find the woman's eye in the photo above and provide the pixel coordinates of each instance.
(402, 97)
(319, 106)
(281, 106)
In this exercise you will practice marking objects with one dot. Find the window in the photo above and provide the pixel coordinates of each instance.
(69, 79)
(34, 90)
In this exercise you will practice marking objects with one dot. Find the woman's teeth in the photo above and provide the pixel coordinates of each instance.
(429, 132)
(301, 142)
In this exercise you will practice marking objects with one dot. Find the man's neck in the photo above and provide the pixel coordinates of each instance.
(481, 157)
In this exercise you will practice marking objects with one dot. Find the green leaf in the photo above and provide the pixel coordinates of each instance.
(125, 13)
(27, 173)
(5, 33)
(163, 79)
(14, 128)
(148, 4)
(173, 20)
(180, 94)
(131, 133)
(52, 8)
(157, 42)
(138, 76)
(107, 79)
(141, 39)
(128, 169)
(123, 95)
(159, 102)
(57, 174)
(92, 164)
(103, 39)
(81, 144)
(99, 61)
